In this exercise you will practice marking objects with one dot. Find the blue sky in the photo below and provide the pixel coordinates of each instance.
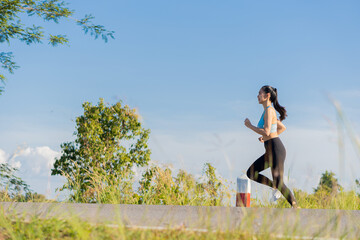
(193, 70)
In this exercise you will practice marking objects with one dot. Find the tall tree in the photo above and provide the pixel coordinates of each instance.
(329, 183)
(109, 141)
(12, 13)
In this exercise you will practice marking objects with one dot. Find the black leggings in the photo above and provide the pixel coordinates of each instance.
(274, 158)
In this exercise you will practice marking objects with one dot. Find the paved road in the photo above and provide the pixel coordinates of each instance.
(306, 223)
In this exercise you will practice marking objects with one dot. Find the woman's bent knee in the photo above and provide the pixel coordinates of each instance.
(250, 174)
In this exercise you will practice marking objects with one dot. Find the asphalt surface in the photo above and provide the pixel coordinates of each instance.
(303, 223)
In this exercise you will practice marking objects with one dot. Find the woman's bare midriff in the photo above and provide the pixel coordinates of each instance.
(272, 135)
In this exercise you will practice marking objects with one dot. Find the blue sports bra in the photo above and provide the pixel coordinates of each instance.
(261, 123)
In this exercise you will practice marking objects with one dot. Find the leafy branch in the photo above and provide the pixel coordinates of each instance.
(10, 183)
(12, 27)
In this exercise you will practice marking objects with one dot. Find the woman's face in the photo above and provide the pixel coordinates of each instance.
(262, 96)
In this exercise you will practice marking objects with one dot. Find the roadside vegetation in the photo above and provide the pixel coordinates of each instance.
(329, 194)
(110, 141)
(99, 168)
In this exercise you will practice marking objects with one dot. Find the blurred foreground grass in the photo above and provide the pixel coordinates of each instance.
(12, 227)
(72, 227)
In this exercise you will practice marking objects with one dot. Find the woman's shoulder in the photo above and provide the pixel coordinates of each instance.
(270, 109)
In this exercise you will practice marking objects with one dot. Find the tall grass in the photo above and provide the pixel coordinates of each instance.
(158, 186)
(346, 200)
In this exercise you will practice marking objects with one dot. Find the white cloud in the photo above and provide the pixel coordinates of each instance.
(48, 154)
(34, 165)
(16, 165)
(38, 160)
(3, 156)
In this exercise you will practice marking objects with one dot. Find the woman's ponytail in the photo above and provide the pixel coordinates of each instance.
(274, 100)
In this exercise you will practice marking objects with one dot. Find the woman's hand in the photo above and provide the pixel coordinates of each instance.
(280, 127)
(261, 139)
(247, 123)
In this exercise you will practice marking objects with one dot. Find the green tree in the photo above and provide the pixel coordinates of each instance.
(109, 141)
(357, 182)
(11, 185)
(328, 183)
(13, 13)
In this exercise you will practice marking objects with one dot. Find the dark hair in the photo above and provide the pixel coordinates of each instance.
(274, 100)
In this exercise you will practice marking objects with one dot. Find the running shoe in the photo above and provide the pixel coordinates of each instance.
(276, 194)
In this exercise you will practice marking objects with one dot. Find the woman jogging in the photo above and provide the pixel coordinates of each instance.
(270, 128)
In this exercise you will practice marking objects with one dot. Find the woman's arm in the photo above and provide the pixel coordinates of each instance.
(280, 127)
(267, 125)
(267, 121)
(260, 131)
